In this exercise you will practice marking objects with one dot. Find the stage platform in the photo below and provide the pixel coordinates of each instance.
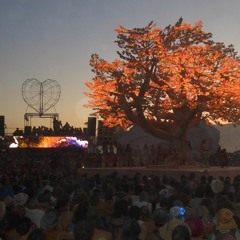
(161, 170)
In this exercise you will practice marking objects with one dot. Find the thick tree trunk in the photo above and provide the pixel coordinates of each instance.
(184, 155)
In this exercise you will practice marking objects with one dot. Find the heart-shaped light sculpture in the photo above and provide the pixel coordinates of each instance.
(41, 96)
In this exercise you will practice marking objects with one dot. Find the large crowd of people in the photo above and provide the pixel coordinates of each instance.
(58, 129)
(119, 155)
(50, 198)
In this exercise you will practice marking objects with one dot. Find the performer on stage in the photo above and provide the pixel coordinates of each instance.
(204, 153)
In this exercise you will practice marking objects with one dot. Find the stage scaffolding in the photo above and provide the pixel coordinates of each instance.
(28, 117)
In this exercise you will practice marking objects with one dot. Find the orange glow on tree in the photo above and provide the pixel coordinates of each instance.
(166, 80)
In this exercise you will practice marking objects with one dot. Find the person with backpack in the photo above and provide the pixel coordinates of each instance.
(226, 226)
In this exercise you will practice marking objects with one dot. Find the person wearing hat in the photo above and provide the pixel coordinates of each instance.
(146, 222)
(105, 206)
(181, 232)
(34, 211)
(65, 213)
(143, 200)
(193, 218)
(176, 218)
(93, 217)
(217, 186)
(19, 201)
(49, 222)
(226, 225)
(119, 216)
(130, 230)
(159, 217)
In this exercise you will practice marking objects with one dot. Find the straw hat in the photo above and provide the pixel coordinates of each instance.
(225, 220)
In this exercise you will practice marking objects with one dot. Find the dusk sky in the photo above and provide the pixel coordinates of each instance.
(54, 39)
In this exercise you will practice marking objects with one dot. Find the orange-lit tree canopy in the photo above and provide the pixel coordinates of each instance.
(167, 80)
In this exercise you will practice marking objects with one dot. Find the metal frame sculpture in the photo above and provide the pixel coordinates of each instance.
(40, 96)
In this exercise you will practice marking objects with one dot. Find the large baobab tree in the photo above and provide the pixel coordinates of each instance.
(166, 81)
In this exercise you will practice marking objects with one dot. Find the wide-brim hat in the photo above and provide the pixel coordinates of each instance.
(49, 220)
(167, 229)
(225, 220)
(20, 199)
(47, 188)
(160, 216)
(217, 185)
